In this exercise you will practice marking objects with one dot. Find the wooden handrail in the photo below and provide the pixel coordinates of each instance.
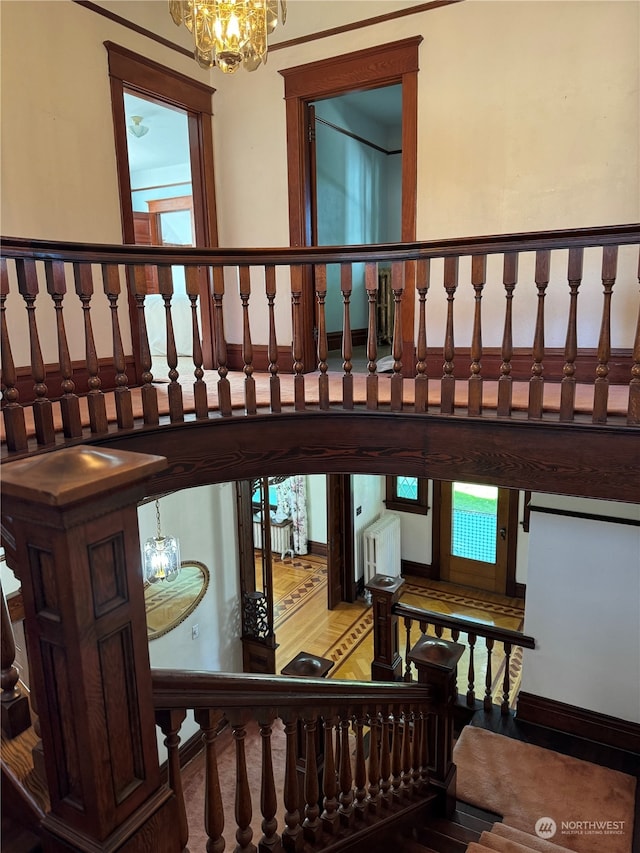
(180, 689)
(501, 635)
(17, 247)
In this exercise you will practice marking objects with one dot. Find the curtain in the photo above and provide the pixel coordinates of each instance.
(292, 503)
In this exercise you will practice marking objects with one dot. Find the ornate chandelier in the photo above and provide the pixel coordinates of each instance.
(229, 33)
(161, 555)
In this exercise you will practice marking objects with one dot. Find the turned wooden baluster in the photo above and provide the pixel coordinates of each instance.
(385, 762)
(360, 775)
(208, 720)
(407, 775)
(633, 413)
(407, 648)
(371, 286)
(122, 394)
(174, 391)
(13, 413)
(489, 677)
(478, 279)
(397, 285)
(95, 398)
(272, 349)
(311, 826)
(224, 388)
(323, 346)
(243, 808)
(601, 389)
(448, 382)
(330, 817)
(247, 346)
(471, 694)
(505, 389)
(292, 838)
(536, 383)
(170, 723)
(42, 410)
(396, 757)
(416, 750)
(347, 343)
(506, 683)
(268, 799)
(373, 768)
(422, 381)
(424, 749)
(69, 403)
(13, 702)
(297, 350)
(192, 282)
(149, 394)
(568, 384)
(345, 778)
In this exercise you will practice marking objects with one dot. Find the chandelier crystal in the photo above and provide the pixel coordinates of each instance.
(229, 33)
(161, 555)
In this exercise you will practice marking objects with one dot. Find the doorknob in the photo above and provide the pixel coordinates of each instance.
(503, 532)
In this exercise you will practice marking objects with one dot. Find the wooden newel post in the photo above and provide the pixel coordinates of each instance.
(387, 663)
(78, 550)
(436, 662)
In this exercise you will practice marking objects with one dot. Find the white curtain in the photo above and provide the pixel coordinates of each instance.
(292, 503)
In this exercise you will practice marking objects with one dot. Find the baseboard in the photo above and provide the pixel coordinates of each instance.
(260, 362)
(319, 549)
(53, 378)
(420, 570)
(571, 720)
(358, 339)
(521, 590)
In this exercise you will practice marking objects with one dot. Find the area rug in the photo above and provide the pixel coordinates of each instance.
(591, 807)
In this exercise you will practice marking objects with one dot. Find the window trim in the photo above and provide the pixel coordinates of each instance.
(419, 506)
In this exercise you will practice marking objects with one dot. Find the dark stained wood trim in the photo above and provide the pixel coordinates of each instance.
(106, 372)
(358, 25)
(358, 339)
(569, 459)
(371, 68)
(589, 516)
(235, 359)
(580, 722)
(410, 568)
(521, 591)
(136, 28)
(15, 606)
(318, 549)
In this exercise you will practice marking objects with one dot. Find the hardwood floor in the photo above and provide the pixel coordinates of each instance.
(344, 635)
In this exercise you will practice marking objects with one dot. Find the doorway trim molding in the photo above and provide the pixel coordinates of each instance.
(136, 73)
(371, 68)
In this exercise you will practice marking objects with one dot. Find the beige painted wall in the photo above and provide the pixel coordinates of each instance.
(528, 119)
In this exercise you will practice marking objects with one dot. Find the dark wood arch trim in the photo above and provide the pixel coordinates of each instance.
(129, 70)
(396, 62)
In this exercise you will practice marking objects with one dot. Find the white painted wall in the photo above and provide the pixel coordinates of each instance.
(583, 608)
(367, 495)
(317, 507)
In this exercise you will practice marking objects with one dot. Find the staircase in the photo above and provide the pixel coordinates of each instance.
(505, 839)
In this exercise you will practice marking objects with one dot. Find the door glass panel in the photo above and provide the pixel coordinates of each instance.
(175, 228)
(474, 522)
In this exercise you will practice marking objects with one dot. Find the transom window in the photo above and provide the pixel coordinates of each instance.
(407, 494)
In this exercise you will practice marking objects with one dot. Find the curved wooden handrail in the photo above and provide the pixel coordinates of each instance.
(17, 247)
(174, 688)
(501, 635)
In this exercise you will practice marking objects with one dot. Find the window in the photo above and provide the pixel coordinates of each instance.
(407, 494)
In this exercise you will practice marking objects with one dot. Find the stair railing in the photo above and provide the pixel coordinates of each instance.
(364, 747)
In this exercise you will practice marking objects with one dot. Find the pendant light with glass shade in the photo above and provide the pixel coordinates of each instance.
(229, 33)
(161, 555)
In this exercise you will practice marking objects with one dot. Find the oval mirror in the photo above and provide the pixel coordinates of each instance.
(169, 604)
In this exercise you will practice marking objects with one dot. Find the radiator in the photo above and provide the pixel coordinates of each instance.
(382, 547)
(280, 537)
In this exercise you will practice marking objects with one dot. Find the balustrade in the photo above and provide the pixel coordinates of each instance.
(60, 395)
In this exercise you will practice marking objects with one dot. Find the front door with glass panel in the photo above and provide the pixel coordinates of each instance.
(474, 535)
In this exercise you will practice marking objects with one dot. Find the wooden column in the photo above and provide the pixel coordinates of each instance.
(387, 663)
(77, 546)
(436, 661)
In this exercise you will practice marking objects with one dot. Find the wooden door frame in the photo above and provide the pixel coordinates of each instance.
(136, 73)
(371, 68)
(341, 583)
(438, 519)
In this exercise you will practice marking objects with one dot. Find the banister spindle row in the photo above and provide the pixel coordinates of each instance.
(122, 393)
(633, 415)
(272, 354)
(224, 388)
(192, 283)
(505, 382)
(69, 402)
(423, 269)
(15, 429)
(601, 387)
(174, 391)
